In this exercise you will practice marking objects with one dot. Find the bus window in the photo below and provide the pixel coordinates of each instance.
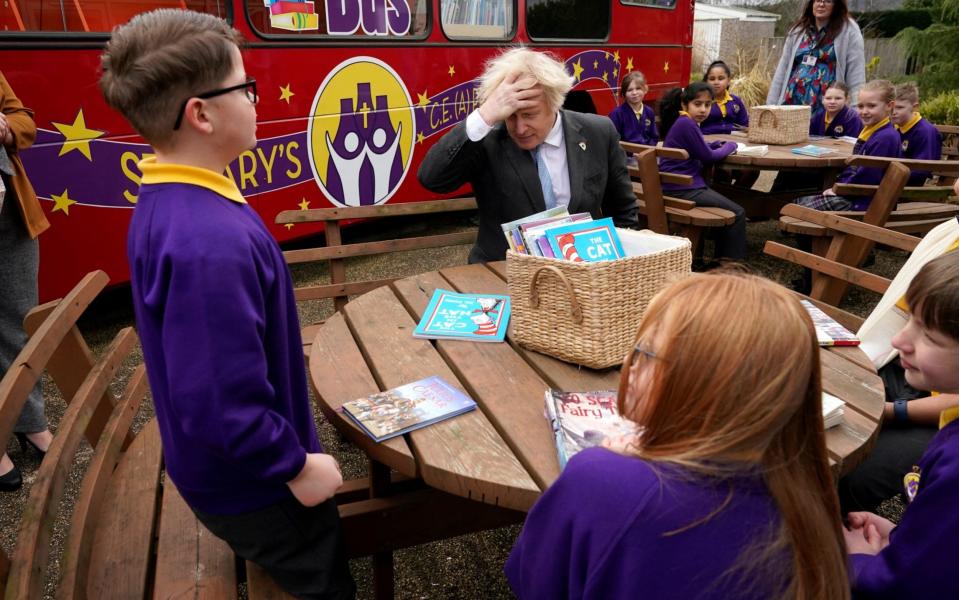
(655, 3)
(389, 19)
(477, 19)
(567, 19)
(88, 15)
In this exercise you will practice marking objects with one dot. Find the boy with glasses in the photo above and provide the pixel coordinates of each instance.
(215, 308)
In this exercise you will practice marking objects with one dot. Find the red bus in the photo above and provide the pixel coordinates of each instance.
(352, 94)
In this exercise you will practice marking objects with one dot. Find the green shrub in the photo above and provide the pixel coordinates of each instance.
(887, 23)
(942, 109)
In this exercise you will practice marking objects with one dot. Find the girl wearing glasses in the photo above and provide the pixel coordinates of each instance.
(726, 492)
(823, 46)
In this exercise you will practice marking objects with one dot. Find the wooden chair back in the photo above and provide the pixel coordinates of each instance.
(950, 148)
(837, 267)
(944, 173)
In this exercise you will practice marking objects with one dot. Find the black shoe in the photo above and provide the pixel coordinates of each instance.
(11, 481)
(26, 442)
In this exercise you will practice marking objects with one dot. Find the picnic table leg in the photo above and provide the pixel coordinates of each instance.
(382, 561)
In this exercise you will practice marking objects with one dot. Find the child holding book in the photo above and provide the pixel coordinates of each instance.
(215, 309)
(877, 138)
(910, 560)
(920, 138)
(681, 111)
(635, 121)
(838, 119)
(726, 492)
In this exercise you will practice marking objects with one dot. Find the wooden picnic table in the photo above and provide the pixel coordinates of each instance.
(503, 453)
(780, 158)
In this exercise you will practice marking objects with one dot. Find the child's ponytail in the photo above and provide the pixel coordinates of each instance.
(672, 102)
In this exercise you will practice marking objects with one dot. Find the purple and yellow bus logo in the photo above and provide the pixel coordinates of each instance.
(361, 133)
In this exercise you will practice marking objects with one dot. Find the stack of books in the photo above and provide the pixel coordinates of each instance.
(555, 233)
(812, 150)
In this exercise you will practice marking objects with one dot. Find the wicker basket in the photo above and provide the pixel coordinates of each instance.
(781, 125)
(588, 313)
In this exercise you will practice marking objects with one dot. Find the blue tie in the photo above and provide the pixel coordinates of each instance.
(545, 181)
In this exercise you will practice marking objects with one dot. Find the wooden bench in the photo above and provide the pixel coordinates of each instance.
(926, 208)
(950, 150)
(336, 253)
(130, 534)
(664, 213)
(839, 268)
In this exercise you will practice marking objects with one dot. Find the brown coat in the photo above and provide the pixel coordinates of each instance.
(24, 131)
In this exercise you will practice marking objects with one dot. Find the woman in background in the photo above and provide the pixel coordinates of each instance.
(823, 46)
(726, 492)
(21, 221)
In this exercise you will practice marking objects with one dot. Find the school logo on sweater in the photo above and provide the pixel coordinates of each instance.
(905, 145)
(838, 129)
(910, 484)
(361, 133)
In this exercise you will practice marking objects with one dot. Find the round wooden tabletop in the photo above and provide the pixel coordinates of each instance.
(503, 453)
(782, 157)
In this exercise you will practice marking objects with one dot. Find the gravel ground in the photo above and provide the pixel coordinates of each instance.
(465, 567)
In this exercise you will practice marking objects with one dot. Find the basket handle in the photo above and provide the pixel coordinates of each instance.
(575, 311)
(765, 112)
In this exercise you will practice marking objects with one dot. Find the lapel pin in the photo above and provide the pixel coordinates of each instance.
(582, 145)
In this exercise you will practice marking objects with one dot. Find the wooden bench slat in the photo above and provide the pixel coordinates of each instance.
(86, 511)
(378, 210)
(369, 248)
(33, 548)
(190, 560)
(677, 153)
(836, 222)
(330, 290)
(120, 565)
(848, 274)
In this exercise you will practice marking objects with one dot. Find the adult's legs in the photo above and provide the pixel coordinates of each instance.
(730, 240)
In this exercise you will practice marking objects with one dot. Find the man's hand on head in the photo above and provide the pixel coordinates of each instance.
(513, 94)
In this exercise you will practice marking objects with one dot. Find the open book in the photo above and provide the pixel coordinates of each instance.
(582, 420)
(889, 316)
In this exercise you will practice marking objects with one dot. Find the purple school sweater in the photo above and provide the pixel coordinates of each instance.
(221, 339)
(685, 134)
(916, 562)
(846, 122)
(640, 130)
(735, 115)
(922, 141)
(612, 527)
(883, 142)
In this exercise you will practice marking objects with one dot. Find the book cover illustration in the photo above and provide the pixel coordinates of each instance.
(476, 317)
(812, 150)
(828, 331)
(582, 420)
(406, 408)
(586, 241)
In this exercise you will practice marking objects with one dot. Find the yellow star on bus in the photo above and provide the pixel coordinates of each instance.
(616, 56)
(62, 202)
(577, 69)
(605, 77)
(629, 64)
(420, 137)
(285, 93)
(77, 136)
(452, 71)
(424, 99)
(305, 204)
(666, 67)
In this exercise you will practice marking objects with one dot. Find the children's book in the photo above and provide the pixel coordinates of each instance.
(828, 331)
(586, 241)
(533, 232)
(454, 316)
(556, 211)
(832, 410)
(812, 150)
(746, 150)
(409, 407)
(585, 419)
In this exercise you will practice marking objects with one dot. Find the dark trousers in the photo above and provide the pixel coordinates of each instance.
(300, 547)
(730, 240)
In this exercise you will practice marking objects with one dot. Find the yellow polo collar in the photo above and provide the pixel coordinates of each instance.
(170, 173)
(910, 123)
(867, 132)
(947, 416)
(721, 102)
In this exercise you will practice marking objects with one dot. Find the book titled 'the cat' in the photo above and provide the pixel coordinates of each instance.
(455, 316)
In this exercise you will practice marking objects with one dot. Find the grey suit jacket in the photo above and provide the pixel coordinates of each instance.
(506, 184)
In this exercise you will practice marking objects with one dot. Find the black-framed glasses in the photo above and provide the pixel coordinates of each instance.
(249, 86)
